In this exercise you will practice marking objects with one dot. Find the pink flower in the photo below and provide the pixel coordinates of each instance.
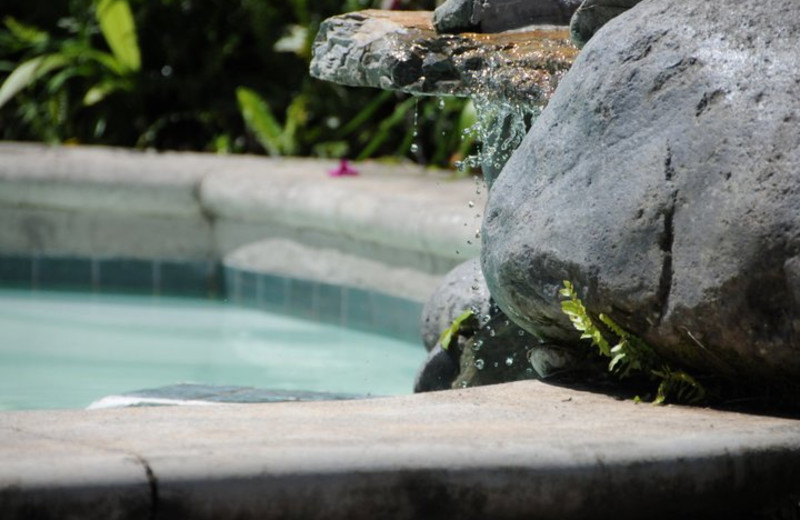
(343, 169)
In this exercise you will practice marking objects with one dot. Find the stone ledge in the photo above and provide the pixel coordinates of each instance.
(400, 50)
(94, 201)
(513, 450)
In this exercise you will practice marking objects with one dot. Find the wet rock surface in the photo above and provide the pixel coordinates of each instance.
(463, 288)
(662, 180)
(455, 16)
(593, 14)
(400, 50)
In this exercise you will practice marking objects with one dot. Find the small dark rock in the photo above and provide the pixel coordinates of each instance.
(592, 15)
(437, 372)
(490, 16)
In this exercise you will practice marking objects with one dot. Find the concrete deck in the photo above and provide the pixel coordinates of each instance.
(105, 202)
(510, 451)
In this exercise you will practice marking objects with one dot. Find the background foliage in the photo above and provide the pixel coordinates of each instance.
(214, 75)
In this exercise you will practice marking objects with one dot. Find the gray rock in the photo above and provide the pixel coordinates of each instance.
(593, 14)
(663, 180)
(400, 50)
(500, 352)
(490, 16)
(461, 289)
(455, 16)
(497, 353)
(437, 372)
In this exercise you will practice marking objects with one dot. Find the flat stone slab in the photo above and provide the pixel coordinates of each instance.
(400, 50)
(523, 449)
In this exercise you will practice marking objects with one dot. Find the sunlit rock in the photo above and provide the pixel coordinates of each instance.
(400, 50)
(663, 180)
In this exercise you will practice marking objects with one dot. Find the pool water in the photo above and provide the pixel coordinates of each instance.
(67, 350)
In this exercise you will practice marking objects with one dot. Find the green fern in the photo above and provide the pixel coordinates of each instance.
(630, 354)
(574, 309)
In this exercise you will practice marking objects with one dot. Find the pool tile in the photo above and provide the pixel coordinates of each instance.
(125, 275)
(357, 311)
(16, 271)
(396, 317)
(248, 289)
(188, 278)
(63, 273)
(273, 292)
(329, 303)
(301, 298)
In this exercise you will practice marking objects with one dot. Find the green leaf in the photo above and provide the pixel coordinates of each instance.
(259, 119)
(100, 91)
(27, 73)
(26, 33)
(119, 30)
(452, 331)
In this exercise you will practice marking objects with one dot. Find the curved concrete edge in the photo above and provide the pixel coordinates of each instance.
(103, 202)
(328, 265)
(505, 451)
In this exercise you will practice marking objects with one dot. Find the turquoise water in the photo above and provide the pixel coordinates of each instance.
(66, 350)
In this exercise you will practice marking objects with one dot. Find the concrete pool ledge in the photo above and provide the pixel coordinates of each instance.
(523, 449)
(102, 202)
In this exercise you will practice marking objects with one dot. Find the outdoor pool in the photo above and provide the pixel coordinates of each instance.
(67, 350)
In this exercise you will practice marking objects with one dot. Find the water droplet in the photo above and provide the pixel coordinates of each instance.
(529, 370)
(471, 204)
(475, 288)
(492, 333)
(496, 364)
(509, 361)
(521, 332)
(441, 104)
(477, 233)
(479, 364)
(477, 345)
(506, 323)
(458, 252)
(463, 384)
(469, 242)
(414, 147)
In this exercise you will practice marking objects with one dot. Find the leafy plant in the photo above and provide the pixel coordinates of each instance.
(64, 60)
(631, 354)
(116, 72)
(452, 331)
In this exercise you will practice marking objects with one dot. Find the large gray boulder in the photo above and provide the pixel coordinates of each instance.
(663, 180)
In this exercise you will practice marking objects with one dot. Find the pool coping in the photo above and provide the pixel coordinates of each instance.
(505, 451)
(98, 202)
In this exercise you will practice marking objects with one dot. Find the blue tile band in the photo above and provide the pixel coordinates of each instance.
(352, 307)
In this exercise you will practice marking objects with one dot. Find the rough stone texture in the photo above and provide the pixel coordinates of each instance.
(400, 50)
(520, 450)
(500, 351)
(496, 353)
(456, 16)
(461, 289)
(593, 14)
(662, 180)
(438, 370)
